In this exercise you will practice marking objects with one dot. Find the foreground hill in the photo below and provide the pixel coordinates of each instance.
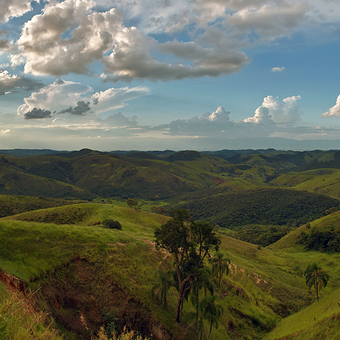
(85, 274)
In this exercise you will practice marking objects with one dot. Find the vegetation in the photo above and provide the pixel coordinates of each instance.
(112, 224)
(189, 243)
(259, 206)
(316, 277)
(19, 320)
(91, 281)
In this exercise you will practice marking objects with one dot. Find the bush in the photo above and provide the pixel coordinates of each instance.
(112, 224)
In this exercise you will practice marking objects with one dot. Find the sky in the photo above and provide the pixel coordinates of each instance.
(169, 74)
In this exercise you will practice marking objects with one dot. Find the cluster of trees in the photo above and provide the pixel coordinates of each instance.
(19, 204)
(159, 210)
(133, 204)
(190, 244)
(262, 235)
(321, 240)
(260, 206)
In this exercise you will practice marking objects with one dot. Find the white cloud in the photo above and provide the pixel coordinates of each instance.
(67, 97)
(333, 111)
(55, 97)
(115, 98)
(273, 111)
(69, 36)
(277, 69)
(271, 19)
(14, 8)
(11, 83)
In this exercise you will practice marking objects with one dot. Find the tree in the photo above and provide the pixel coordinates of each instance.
(160, 289)
(201, 280)
(211, 312)
(112, 224)
(133, 204)
(316, 277)
(220, 265)
(189, 243)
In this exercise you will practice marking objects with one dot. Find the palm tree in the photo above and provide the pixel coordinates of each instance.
(211, 312)
(220, 265)
(160, 289)
(316, 277)
(201, 280)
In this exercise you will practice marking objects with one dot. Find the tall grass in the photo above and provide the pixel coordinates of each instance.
(19, 321)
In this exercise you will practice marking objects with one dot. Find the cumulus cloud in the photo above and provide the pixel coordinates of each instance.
(14, 8)
(207, 124)
(37, 114)
(4, 44)
(79, 110)
(270, 20)
(273, 111)
(333, 111)
(277, 69)
(55, 97)
(116, 98)
(67, 97)
(10, 83)
(68, 37)
(118, 119)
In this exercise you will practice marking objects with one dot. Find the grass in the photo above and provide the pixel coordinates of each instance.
(321, 181)
(313, 322)
(20, 321)
(264, 284)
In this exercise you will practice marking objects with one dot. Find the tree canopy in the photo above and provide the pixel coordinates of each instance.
(189, 242)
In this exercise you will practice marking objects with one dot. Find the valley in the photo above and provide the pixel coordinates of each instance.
(274, 212)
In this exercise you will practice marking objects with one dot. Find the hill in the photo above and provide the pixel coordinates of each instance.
(258, 206)
(145, 175)
(81, 269)
(322, 181)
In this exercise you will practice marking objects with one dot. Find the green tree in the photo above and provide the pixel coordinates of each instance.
(220, 265)
(189, 243)
(112, 224)
(133, 204)
(316, 277)
(160, 289)
(201, 281)
(210, 312)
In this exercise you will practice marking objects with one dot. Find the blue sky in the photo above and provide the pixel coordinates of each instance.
(169, 74)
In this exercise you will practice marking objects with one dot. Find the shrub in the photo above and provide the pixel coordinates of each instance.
(112, 224)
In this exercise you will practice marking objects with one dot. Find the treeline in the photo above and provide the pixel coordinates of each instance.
(262, 235)
(321, 240)
(12, 205)
(260, 206)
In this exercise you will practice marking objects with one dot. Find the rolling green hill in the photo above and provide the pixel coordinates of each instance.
(81, 268)
(322, 181)
(259, 206)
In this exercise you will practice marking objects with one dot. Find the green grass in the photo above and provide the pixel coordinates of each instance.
(318, 321)
(20, 321)
(321, 181)
(264, 284)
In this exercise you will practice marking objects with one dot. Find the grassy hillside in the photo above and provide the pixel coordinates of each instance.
(83, 269)
(298, 238)
(87, 173)
(11, 204)
(259, 206)
(321, 320)
(321, 181)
